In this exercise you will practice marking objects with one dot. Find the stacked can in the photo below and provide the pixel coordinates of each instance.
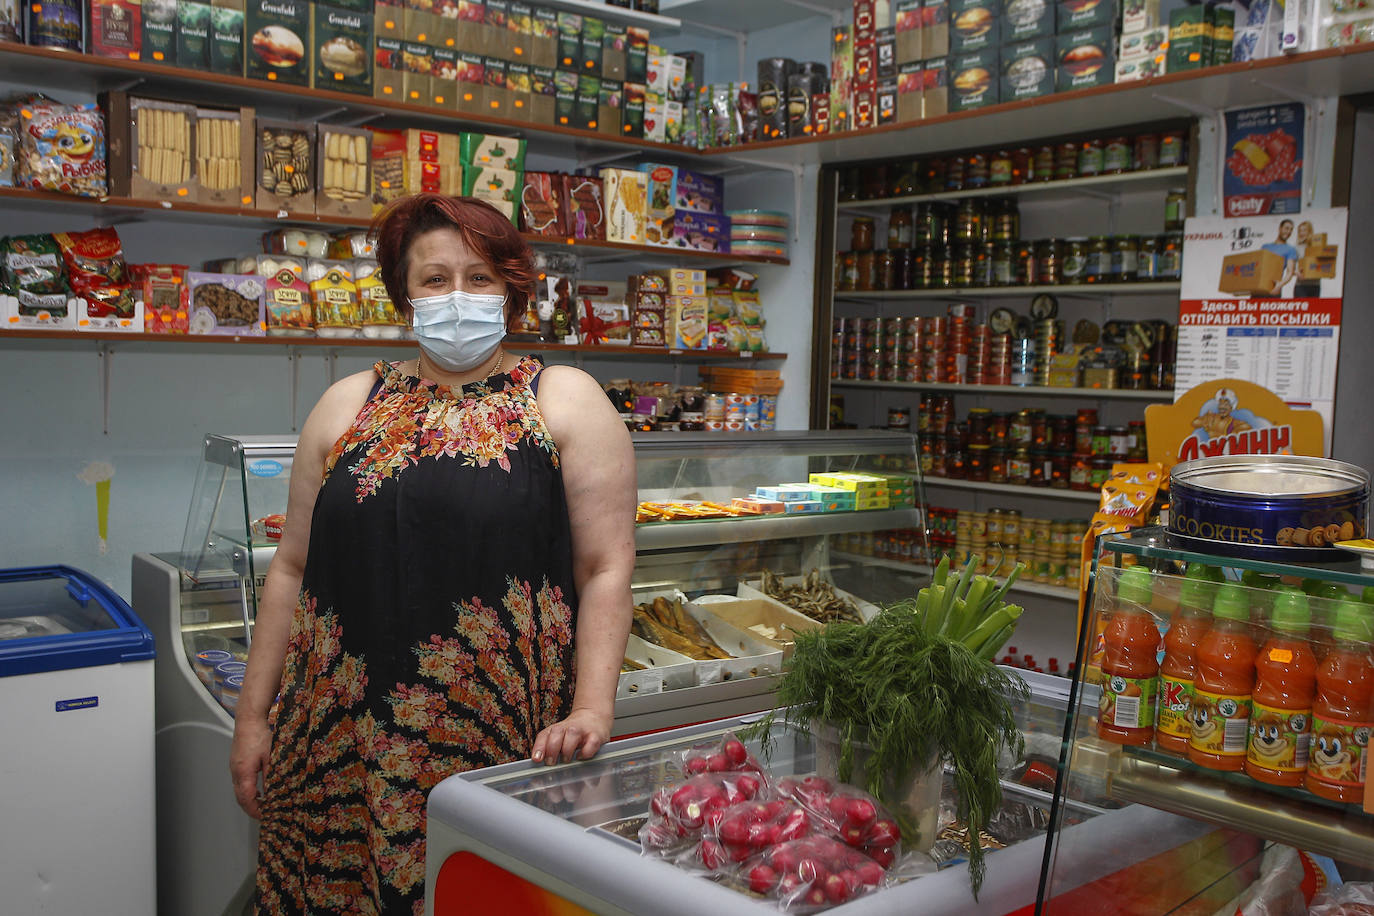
(957, 347)
(837, 347)
(1049, 334)
(934, 335)
(735, 411)
(1021, 361)
(768, 411)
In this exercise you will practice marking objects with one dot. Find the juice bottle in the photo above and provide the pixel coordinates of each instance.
(1221, 689)
(1176, 670)
(1285, 682)
(1339, 760)
(1130, 664)
(1262, 599)
(1324, 616)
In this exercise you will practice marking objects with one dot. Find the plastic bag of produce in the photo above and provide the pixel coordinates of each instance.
(851, 814)
(724, 755)
(747, 829)
(1355, 899)
(679, 812)
(811, 874)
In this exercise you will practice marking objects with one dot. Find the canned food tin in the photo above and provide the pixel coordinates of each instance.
(1267, 506)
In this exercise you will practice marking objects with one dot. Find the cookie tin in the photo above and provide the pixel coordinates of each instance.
(1275, 507)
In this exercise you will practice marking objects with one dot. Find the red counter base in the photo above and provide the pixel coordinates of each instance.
(469, 884)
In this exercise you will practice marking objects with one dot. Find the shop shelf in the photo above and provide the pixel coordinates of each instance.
(173, 341)
(1159, 544)
(1033, 391)
(1020, 585)
(602, 10)
(660, 535)
(1151, 180)
(1329, 72)
(947, 483)
(103, 209)
(1076, 290)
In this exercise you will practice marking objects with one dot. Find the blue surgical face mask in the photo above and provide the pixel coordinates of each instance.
(459, 330)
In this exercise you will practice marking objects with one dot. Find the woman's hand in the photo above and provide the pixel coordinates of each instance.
(584, 731)
(248, 761)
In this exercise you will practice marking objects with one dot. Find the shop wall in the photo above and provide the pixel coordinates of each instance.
(1352, 438)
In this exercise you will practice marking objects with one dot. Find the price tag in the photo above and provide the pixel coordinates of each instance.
(1282, 656)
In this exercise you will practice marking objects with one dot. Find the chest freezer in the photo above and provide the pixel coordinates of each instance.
(76, 760)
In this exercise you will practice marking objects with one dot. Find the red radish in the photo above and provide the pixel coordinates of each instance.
(695, 766)
(785, 859)
(812, 869)
(882, 855)
(712, 855)
(776, 806)
(757, 835)
(836, 890)
(713, 818)
(735, 751)
(853, 836)
(790, 883)
(870, 873)
(657, 806)
(748, 785)
(793, 827)
(884, 833)
(735, 830)
(787, 786)
(684, 796)
(774, 832)
(761, 879)
(814, 897)
(860, 811)
(717, 763)
(817, 784)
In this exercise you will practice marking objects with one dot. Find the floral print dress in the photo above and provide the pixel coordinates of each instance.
(433, 634)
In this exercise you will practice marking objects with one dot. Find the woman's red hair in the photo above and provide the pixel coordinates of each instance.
(484, 230)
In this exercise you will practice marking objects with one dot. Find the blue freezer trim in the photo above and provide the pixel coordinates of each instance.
(130, 641)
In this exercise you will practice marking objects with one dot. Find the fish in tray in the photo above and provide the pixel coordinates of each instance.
(665, 623)
(812, 596)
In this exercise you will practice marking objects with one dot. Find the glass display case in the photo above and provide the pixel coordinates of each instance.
(1230, 713)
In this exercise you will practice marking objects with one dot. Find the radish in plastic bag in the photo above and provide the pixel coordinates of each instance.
(727, 755)
(678, 812)
(811, 874)
(853, 815)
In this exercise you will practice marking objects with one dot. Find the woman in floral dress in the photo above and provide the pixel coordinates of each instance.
(452, 586)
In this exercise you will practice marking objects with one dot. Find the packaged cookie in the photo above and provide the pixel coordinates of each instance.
(32, 271)
(348, 245)
(226, 304)
(97, 272)
(152, 148)
(334, 297)
(344, 167)
(224, 150)
(626, 194)
(62, 148)
(285, 166)
(300, 243)
(584, 207)
(318, 268)
(286, 305)
(377, 312)
(166, 298)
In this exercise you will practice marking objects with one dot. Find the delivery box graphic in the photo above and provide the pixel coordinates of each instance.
(1250, 273)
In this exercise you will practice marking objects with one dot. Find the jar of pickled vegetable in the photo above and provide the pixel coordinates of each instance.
(969, 220)
(1019, 467)
(1172, 150)
(1004, 263)
(886, 271)
(1090, 158)
(1170, 259)
(1145, 152)
(962, 264)
(848, 274)
(1098, 267)
(979, 422)
(976, 170)
(941, 268)
(1023, 253)
(861, 234)
(982, 265)
(1125, 258)
(976, 462)
(922, 263)
(1080, 471)
(1100, 470)
(1075, 265)
(997, 465)
(1116, 156)
(1042, 164)
(866, 276)
(954, 173)
(1048, 264)
(1005, 220)
(899, 228)
(1175, 209)
(1000, 167)
(1066, 161)
(1041, 470)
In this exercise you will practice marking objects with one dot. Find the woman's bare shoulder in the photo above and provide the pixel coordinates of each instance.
(334, 411)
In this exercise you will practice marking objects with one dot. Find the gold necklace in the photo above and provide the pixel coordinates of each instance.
(500, 359)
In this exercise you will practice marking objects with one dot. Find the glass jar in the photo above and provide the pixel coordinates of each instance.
(976, 170)
(1040, 429)
(1040, 468)
(1061, 433)
(926, 454)
(999, 429)
(1138, 449)
(1101, 442)
(982, 265)
(1147, 259)
(961, 264)
(1075, 266)
(902, 268)
(1023, 253)
(979, 426)
(1083, 430)
(1019, 467)
(1090, 158)
(932, 176)
(1145, 153)
(1004, 263)
(874, 178)
(1099, 471)
(1004, 220)
(1021, 159)
(861, 234)
(906, 179)
(1169, 264)
(1098, 266)
(1066, 161)
(886, 271)
(976, 462)
(922, 262)
(1020, 430)
(1172, 149)
(997, 465)
(1125, 258)
(849, 185)
(1042, 164)
(1061, 462)
(866, 275)
(941, 268)
(1116, 156)
(969, 223)
(1000, 167)
(1051, 262)
(1175, 209)
(1080, 471)
(848, 274)
(1118, 441)
(931, 226)
(899, 228)
(954, 173)
(956, 459)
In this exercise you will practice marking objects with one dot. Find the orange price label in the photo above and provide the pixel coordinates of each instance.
(1282, 656)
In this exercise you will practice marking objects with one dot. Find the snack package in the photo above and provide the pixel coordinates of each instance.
(346, 245)
(853, 815)
(541, 212)
(811, 874)
(301, 243)
(680, 811)
(584, 209)
(226, 304)
(62, 148)
(746, 304)
(166, 298)
(32, 270)
(286, 303)
(267, 265)
(97, 272)
(1128, 497)
(378, 313)
(334, 297)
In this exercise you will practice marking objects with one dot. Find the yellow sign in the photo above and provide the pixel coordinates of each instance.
(1229, 417)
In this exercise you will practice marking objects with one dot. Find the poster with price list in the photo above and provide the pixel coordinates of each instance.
(1261, 301)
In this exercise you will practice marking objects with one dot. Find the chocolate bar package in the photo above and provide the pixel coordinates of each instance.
(584, 207)
(541, 210)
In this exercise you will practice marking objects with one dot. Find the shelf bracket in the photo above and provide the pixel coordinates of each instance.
(330, 113)
(361, 119)
(796, 170)
(1284, 92)
(1202, 111)
(105, 354)
(128, 85)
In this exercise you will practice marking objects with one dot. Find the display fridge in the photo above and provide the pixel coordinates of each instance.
(76, 761)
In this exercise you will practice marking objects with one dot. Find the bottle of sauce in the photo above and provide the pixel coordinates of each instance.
(1176, 671)
(1338, 762)
(1223, 685)
(1285, 684)
(1130, 664)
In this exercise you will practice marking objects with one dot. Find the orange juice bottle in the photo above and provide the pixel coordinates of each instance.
(1130, 664)
(1285, 683)
(1221, 690)
(1338, 763)
(1176, 670)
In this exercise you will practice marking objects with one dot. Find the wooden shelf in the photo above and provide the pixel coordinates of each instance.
(1076, 290)
(1031, 391)
(104, 208)
(1329, 72)
(176, 340)
(1150, 180)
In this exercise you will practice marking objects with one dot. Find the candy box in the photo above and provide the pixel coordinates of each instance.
(228, 304)
(626, 194)
(701, 231)
(285, 166)
(492, 151)
(166, 298)
(584, 207)
(541, 210)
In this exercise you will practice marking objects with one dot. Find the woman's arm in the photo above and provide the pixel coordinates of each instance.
(252, 738)
(599, 479)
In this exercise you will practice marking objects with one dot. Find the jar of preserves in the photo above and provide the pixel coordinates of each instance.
(941, 268)
(1005, 220)
(1118, 442)
(922, 262)
(982, 265)
(1080, 471)
(1169, 263)
(861, 234)
(886, 271)
(1041, 470)
(932, 175)
(875, 181)
(1000, 167)
(976, 462)
(1098, 473)
(1075, 265)
(1061, 462)
(942, 412)
(1004, 263)
(1090, 158)
(907, 179)
(1147, 259)
(1048, 266)
(961, 264)
(1172, 150)
(1020, 430)
(976, 170)
(1175, 209)
(1098, 266)
(1066, 161)
(902, 268)
(1019, 467)
(926, 454)
(867, 271)
(1040, 428)
(1145, 152)
(931, 226)
(1025, 265)
(1125, 254)
(1139, 446)
(969, 220)
(1117, 155)
(997, 465)
(899, 228)
(956, 460)
(1101, 442)
(954, 173)
(1061, 433)
(848, 273)
(1084, 423)
(999, 429)
(1041, 164)
(979, 432)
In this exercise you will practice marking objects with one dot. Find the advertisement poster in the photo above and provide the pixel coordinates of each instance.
(1229, 416)
(1263, 171)
(1261, 301)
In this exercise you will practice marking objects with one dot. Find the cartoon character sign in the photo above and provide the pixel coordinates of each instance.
(1336, 752)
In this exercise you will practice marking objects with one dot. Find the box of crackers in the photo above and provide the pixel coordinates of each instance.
(343, 166)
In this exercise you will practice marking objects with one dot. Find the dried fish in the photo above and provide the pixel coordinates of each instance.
(813, 597)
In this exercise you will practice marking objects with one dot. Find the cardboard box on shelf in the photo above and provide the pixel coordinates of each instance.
(520, 85)
(1023, 20)
(934, 29)
(612, 97)
(1140, 15)
(585, 207)
(935, 93)
(417, 87)
(1086, 58)
(544, 37)
(388, 75)
(1190, 37)
(495, 95)
(1028, 69)
(498, 37)
(226, 37)
(419, 25)
(286, 166)
(471, 89)
(907, 29)
(615, 46)
(388, 167)
(637, 55)
(841, 78)
(389, 20)
(225, 150)
(158, 32)
(626, 199)
(685, 323)
(865, 64)
(1251, 272)
(865, 107)
(593, 45)
(115, 28)
(492, 151)
(152, 150)
(344, 170)
(1219, 50)
(444, 79)
(973, 26)
(974, 80)
(1137, 45)
(632, 111)
(588, 104)
(193, 35)
(520, 26)
(887, 54)
(700, 232)
(280, 48)
(569, 41)
(687, 281)
(1076, 15)
(343, 57)
(565, 98)
(1140, 68)
(541, 205)
(542, 95)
